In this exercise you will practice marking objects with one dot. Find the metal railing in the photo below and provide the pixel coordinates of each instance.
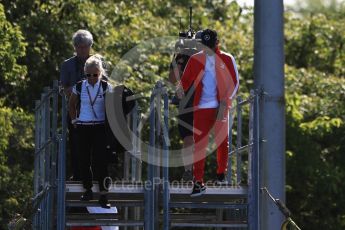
(252, 149)
(61, 180)
(50, 161)
(46, 145)
(159, 135)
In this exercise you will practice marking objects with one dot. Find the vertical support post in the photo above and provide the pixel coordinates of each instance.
(157, 156)
(61, 196)
(269, 76)
(52, 110)
(54, 150)
(239, 141)
(126, 176)
(253, 163)
(149, 185)
(128, 172)
(158, 159)
(136, 161)
(42, 155)
(139, 170)
(47, 143)
(49, 148)
(37, 145)
(166, 185)
(42, 142)
(54, 132)
(36, 157)
(231, 122)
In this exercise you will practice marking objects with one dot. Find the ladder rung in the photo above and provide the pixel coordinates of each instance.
(114, 203)
(208, 198)
(208, 224)
(192, 216)
(186, 189)
(91, 216)
(213, 205)
(182, 188)
(111, 196)
(122, 187)
(83, 223)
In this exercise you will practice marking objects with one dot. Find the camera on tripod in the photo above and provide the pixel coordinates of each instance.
(188, 41)
(187, 44)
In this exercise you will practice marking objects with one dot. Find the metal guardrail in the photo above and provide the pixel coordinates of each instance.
(61, 179)
(46, 144)
(154, 158)
(160, 135)
(50, 158)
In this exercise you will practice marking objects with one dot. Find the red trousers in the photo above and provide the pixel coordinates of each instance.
(204, 121)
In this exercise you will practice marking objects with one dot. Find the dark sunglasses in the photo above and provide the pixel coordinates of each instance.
(91, 75)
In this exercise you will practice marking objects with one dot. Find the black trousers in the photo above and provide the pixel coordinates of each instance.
(92, 155)
(73, 165)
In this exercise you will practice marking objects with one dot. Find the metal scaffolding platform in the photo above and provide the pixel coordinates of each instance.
(140, 204)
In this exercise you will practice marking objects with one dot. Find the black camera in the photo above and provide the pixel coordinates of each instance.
(188, 43)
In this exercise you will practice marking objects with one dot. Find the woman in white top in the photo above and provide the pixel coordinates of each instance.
(90, 129)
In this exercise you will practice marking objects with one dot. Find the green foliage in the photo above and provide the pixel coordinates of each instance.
(13, 74)
(315, 93)
(139, 21)
(327, 7)
(16, 159)
(317, 42)
(36, 37)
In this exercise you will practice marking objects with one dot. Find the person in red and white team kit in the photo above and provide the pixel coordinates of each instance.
(214, 77)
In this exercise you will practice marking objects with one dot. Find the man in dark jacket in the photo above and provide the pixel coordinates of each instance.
(71, 72)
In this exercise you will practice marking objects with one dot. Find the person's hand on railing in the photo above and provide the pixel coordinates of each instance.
(222, 111)
(65, 90)
(68, 91)
(179, 91)
(74, 122)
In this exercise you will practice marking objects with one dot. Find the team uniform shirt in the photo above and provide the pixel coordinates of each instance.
(208, 98)
(91, 94)
(221, 84)
(226, 76)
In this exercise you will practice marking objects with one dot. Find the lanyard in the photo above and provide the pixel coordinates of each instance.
(92, 102)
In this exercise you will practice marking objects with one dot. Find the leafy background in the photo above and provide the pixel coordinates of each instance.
(36, 35)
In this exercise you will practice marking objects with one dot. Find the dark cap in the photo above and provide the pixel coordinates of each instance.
(209, 38)
(198, 34)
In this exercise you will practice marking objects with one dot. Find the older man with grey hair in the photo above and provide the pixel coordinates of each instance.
(71, 72)
(72, 69)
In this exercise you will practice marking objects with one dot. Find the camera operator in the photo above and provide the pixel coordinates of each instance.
(184, 50)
